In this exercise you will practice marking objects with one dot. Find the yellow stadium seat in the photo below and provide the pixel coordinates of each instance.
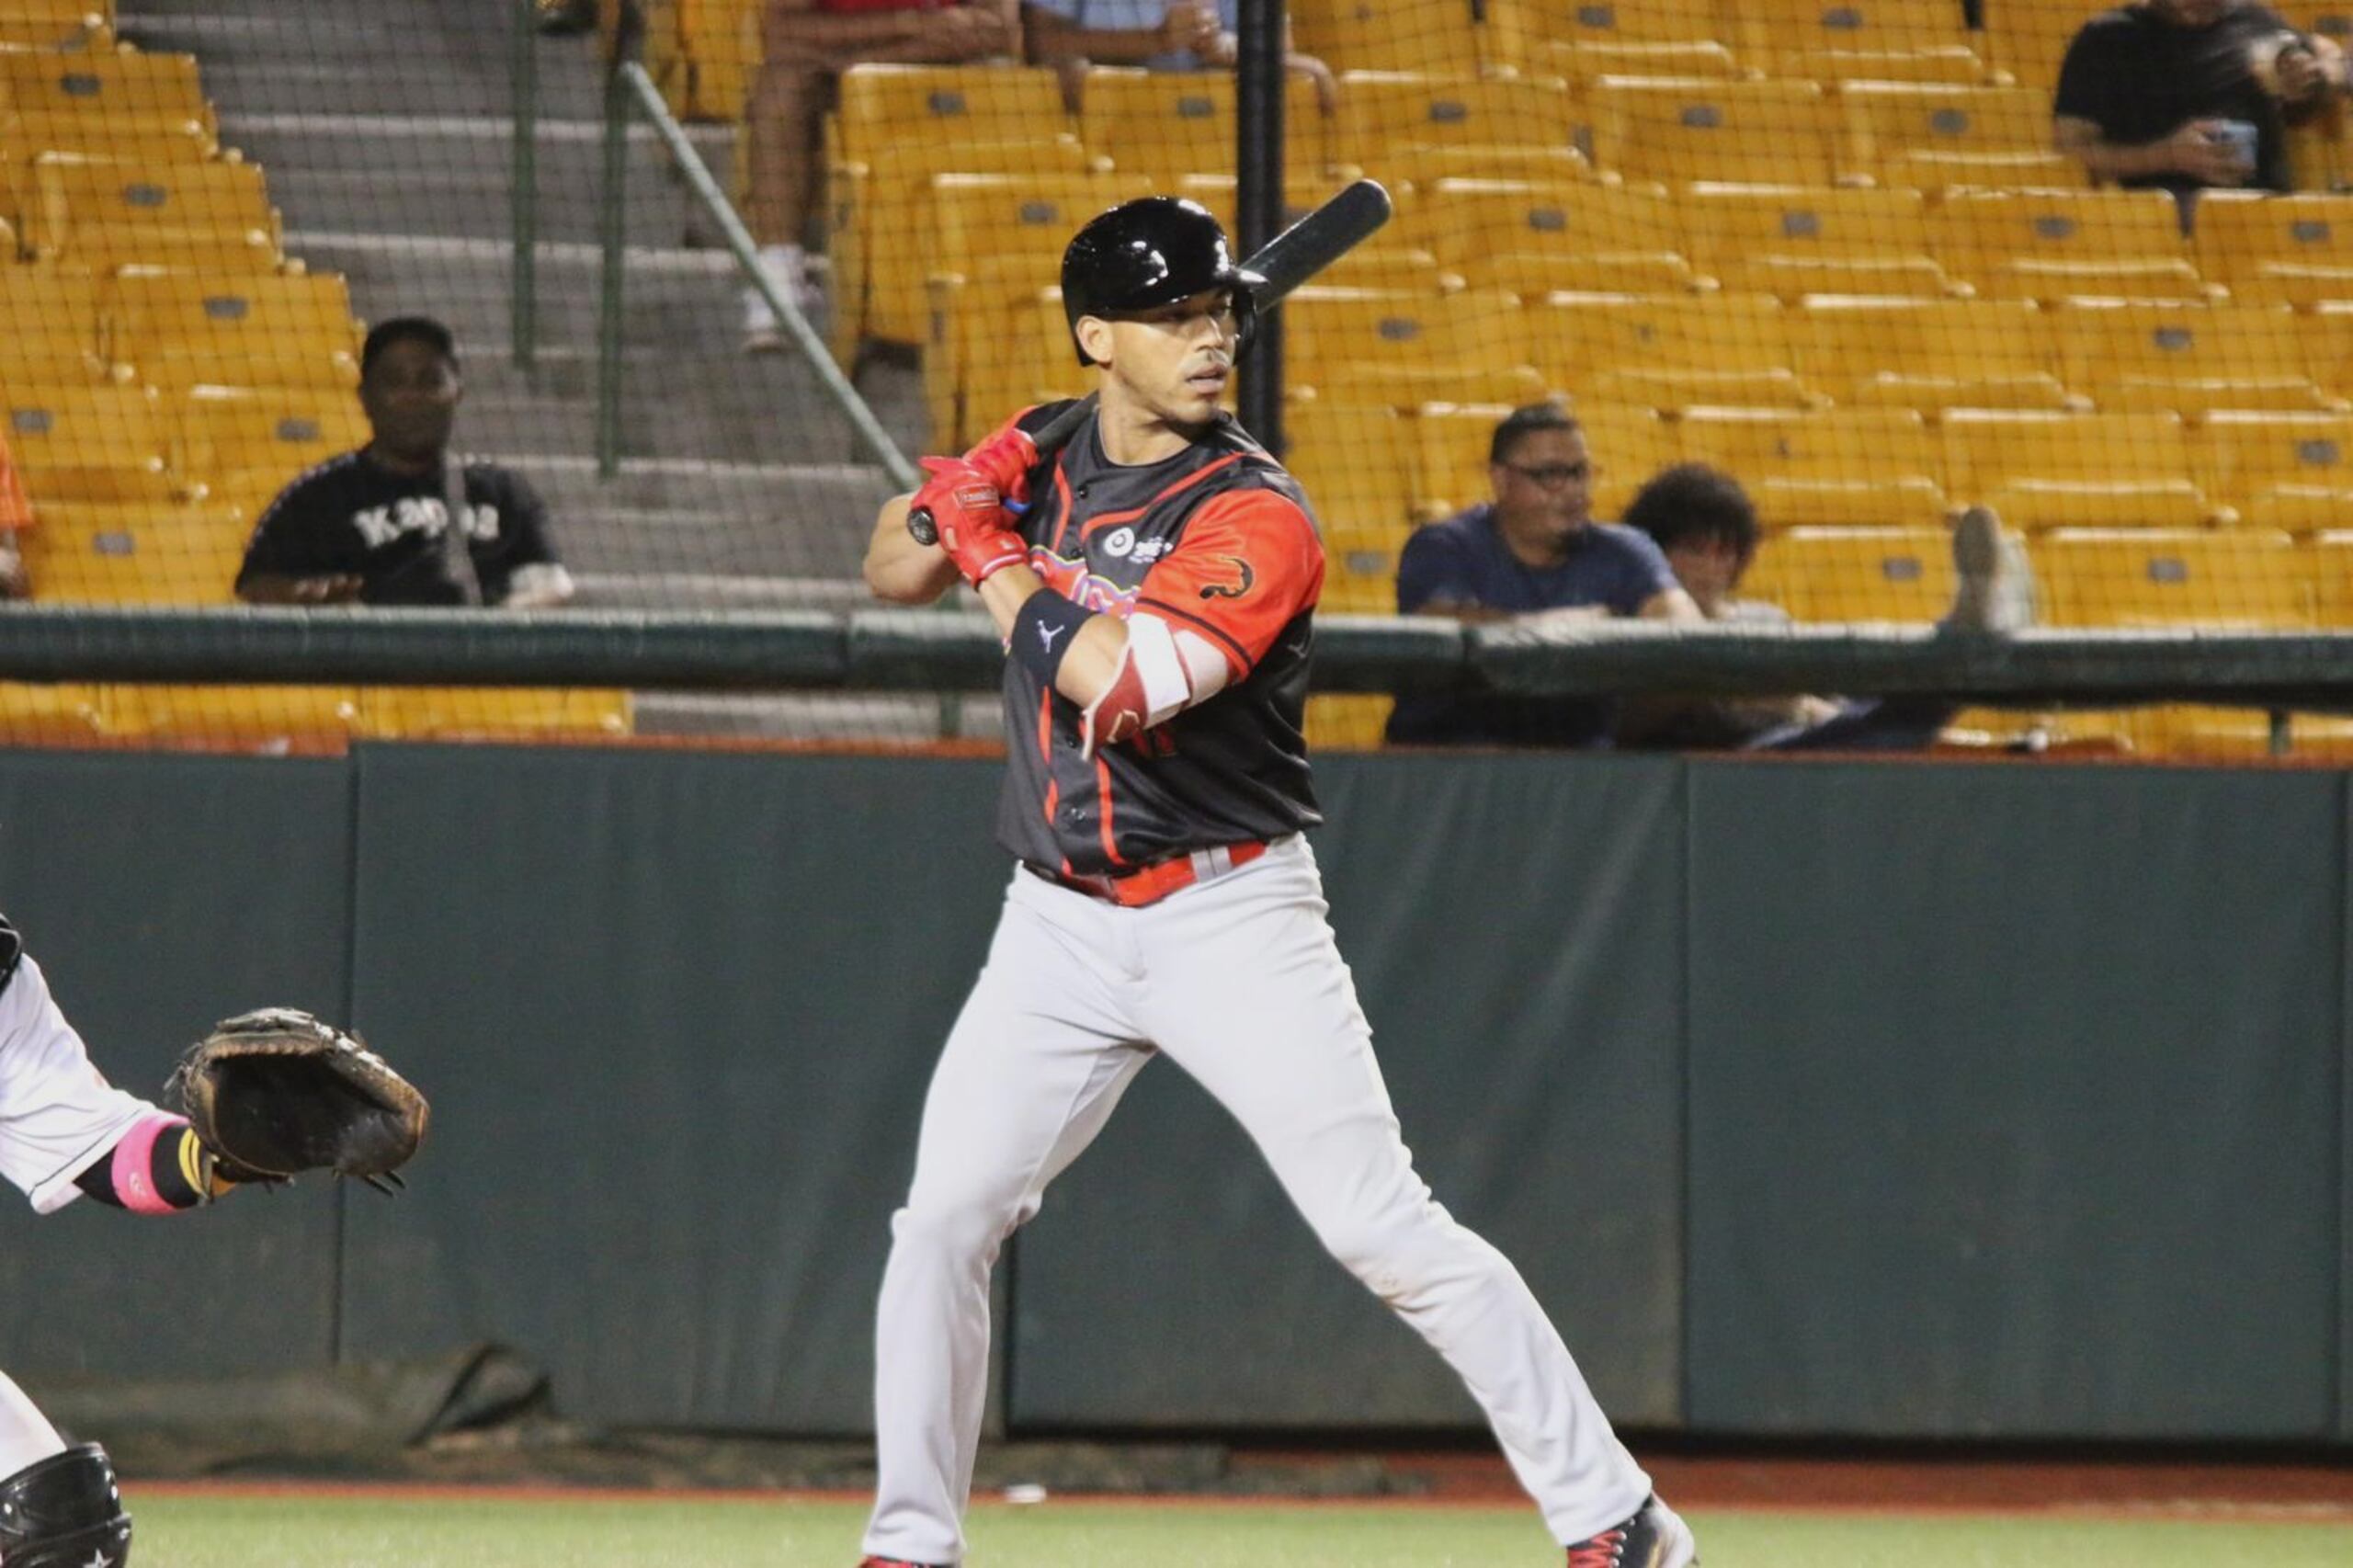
(48, 328)
(1617, 21)
(87, 85)
(1583, 61)
(1335, 721)
(1384, 115)
(267, 720)
(1792, 241)
(882, 107)
(1765, 28)
(118, 552)
(1304, 191)
(429, 713)
(999, 228)
(1167, 124)
(1844, 444)
(2182, 579)
(103, 215)
(1433, 36)
(2030, 37)
(1421, 167)
(1359, 466)
(1358, 346)
(2239, 455)
(47, 715)
(57, 26)
(2329, 556)
(1854, 574)
(2287, 249)
(247, 444)
(2196, 356)
(183, 328)
(90, 443)
(1682, 130)
(1625, 444)
(1014, 349)
(1929, 355)
(1574, 337)
(1953, 66)
(1533, 275)
(1979, 234)
(1464, 222)
(1991, 451)
(1682, 386)
(2300, 508)
(1909, 500)
(1935, 170)
(2057, 281)
(713, 48)
(1888, 120)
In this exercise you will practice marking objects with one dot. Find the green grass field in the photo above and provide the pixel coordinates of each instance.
(196, 1531)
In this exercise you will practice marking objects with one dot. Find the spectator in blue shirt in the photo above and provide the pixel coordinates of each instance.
(1534, 552)
(1159, 35)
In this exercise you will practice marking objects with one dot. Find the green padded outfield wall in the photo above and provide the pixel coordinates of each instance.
(160, 894)
(1813, 1098)
(2015, 1100)
(680, 1009)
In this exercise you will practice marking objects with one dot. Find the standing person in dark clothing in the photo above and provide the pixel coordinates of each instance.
(2184, 95)
(373, 526)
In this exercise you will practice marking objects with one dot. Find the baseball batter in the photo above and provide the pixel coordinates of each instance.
(1156, 599)
(66, 1133)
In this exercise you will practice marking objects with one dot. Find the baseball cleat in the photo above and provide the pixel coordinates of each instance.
(1654, 1537)
(892, 1562)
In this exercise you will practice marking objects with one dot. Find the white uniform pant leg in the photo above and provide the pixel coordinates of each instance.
(25, 1436)
(1037, 1060)
(1248, 994)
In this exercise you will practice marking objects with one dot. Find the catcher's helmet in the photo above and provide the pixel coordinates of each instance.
(1153, 251)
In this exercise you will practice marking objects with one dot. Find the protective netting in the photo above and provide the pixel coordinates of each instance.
(1830, 249)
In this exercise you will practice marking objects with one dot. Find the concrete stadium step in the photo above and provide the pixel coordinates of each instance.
(454, 176)
(746, 519)
(708, 591)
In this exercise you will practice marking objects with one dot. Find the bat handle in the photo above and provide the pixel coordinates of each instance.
(926, 528)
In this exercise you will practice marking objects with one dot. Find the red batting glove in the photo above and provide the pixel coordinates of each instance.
(1006, 459)
(967, 508)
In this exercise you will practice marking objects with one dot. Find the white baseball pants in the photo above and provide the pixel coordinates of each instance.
(1239, 981)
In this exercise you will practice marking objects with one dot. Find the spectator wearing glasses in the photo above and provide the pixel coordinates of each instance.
(1534, 552)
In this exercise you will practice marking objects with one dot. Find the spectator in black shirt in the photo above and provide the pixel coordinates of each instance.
(373, 526)
(2165, 93)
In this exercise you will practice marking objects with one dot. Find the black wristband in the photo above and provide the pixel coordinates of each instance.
(1043, 629)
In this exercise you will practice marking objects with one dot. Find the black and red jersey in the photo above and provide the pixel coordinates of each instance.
(1218, 542)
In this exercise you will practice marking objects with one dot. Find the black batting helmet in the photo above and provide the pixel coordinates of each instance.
(1153, 251)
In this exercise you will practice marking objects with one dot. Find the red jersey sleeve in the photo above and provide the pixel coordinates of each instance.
(1248, 565)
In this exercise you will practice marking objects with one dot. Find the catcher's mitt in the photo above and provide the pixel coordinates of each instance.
(278, 1092)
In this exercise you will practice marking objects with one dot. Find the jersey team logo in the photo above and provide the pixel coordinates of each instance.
(1235, 590)
(1120, 542)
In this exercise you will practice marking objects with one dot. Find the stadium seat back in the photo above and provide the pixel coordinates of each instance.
(90, 443)
(1836, 574)
(2175, 579)
(1462, 220)
(1679, 132)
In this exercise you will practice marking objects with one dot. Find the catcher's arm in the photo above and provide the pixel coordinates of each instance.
(158, 1167)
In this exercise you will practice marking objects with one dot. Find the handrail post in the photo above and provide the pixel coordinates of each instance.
(523, 332)
(612, 213)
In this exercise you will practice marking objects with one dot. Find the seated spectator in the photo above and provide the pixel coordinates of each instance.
(805, 45)
(2181, 95)
(373, 526)
(1533, 551)
(1159, 35)
(1703, 523)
